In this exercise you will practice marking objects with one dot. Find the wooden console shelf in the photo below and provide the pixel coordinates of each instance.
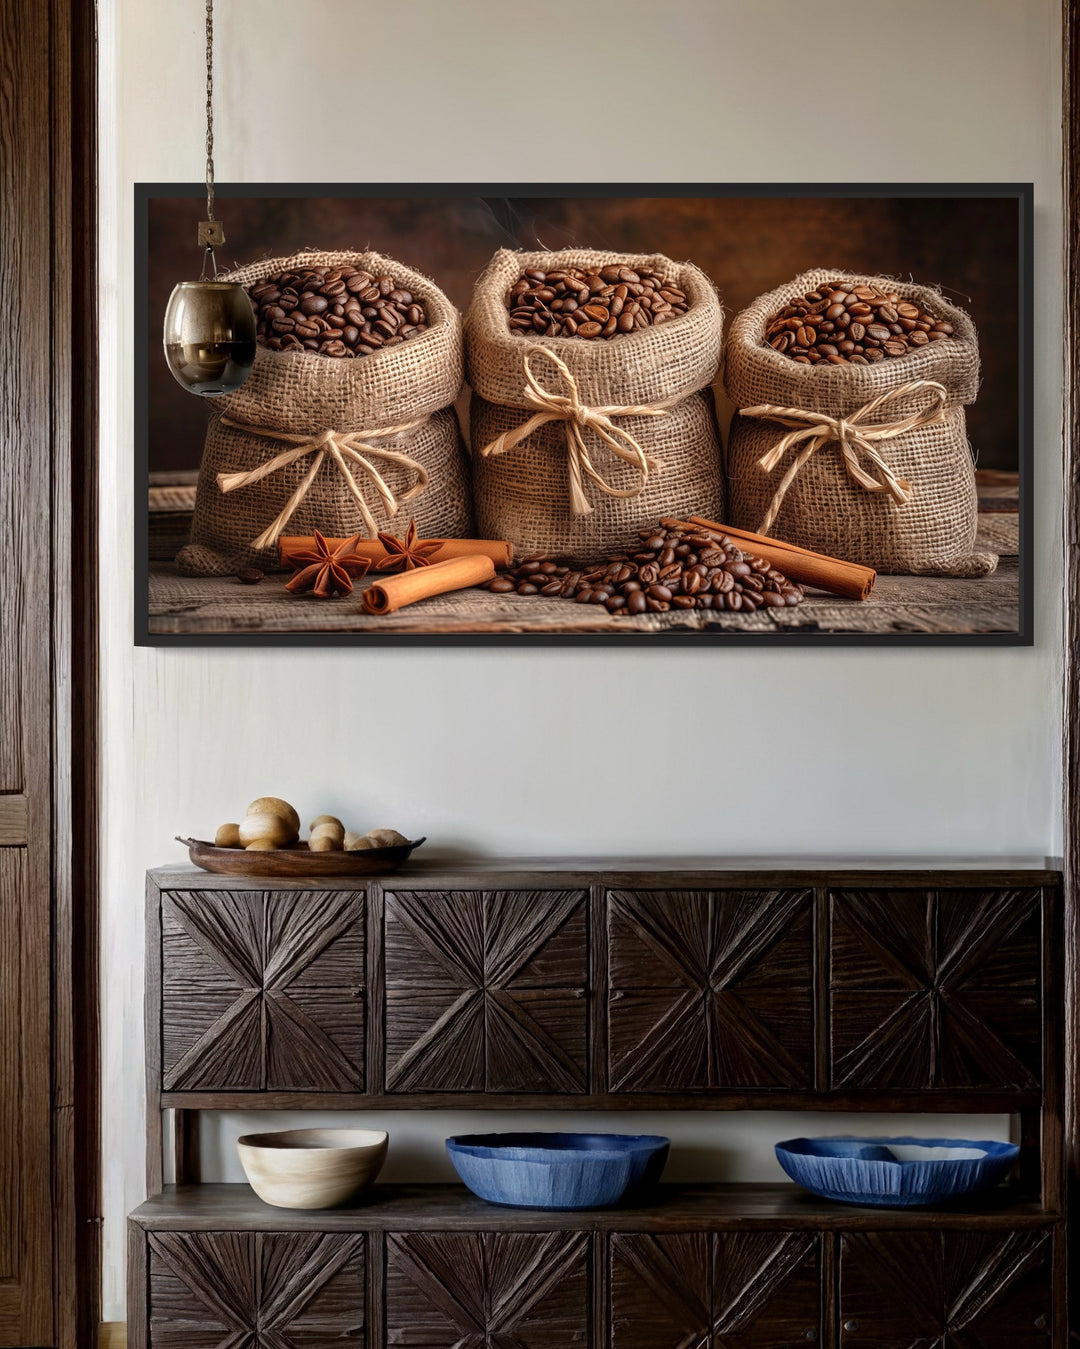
(605, 986)
(668, 1208)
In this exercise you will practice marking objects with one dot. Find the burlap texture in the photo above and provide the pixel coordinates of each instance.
(825, 510)
(303, 393)
(523, 495)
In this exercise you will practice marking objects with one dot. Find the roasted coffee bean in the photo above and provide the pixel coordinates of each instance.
(310, 302)
(844, 323)
(728, 580)
(571, 302)
(249, 576)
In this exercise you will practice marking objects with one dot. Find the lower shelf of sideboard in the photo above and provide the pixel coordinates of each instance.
(670, 1208)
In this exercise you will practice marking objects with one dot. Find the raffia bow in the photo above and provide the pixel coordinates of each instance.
(341, 446)
(854, 437)
(568, 408)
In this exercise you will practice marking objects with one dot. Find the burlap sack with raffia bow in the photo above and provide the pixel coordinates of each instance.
(824, 505)
(543, 494)
(394, 427)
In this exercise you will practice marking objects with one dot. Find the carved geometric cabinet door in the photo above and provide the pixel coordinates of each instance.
(734, 1290)
(485, 991)
(710, 989)
(949, 1290)
(487, 1290)
(936, 989)
(263, 991)
(256, 1290)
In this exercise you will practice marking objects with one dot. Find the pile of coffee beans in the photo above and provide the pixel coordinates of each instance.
(848, 323)
(674, 568)
(571, 302)
(334, 311)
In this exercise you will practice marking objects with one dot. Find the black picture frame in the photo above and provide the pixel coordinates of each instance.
(147, 338)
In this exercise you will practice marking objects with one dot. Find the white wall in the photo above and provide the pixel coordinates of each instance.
(843, 752)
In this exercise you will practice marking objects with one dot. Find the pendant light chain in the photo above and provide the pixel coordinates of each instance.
(209, 109)
(209, 257)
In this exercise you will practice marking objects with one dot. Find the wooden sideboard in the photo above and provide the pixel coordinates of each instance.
(531, 986)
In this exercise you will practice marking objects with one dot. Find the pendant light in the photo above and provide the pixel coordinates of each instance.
(209, 324)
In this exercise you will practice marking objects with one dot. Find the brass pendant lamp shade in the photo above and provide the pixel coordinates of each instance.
(209, 332)
(210, 336)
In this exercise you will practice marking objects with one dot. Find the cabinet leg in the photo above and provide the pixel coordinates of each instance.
(186, 1167)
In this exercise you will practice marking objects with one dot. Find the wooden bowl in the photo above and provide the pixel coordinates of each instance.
(311, 1168)
(297, 860)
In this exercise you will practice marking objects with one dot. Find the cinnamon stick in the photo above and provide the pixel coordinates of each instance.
(816, 569)
(500, 552)
(395, 592)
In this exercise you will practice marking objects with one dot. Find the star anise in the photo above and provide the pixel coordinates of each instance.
(407, 553)
(323, 569)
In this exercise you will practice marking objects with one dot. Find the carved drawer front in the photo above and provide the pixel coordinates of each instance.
(737, 1290)
(485, 991)
(958, 1290)
(256, 1290)
(710, 989)
(263, 990)
(488, 1290)
(936, 989)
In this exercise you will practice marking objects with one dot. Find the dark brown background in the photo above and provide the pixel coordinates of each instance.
(967, 246)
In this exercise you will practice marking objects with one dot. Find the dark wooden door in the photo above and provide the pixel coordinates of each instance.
(936, 989)
(732, 1290)
(945, 1290)
(40, 1230)
(486, 991)
(263, 991)
(256, 1290)
(488, 1290)
(710, 989)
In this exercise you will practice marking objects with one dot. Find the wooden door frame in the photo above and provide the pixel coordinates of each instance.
(1071, 710)
(76, 1134)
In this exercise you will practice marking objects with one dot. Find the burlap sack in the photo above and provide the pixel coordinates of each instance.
(824, 508)
(302, 395)
(524, 494)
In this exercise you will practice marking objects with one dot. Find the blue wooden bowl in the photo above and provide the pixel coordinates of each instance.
(567, 1171)
(895, 1172)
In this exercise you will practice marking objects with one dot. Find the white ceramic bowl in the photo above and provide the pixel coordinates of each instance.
(311, 1168)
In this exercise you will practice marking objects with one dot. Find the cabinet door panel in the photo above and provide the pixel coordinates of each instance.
(313, 984)
(661, 1291)
(710, 989)
(766, 1290)
(504, 1290)
(958, 1290)
(485, 991)
(936, 989)
(221, 1290)
(212, 955)
(733, 1290)
(263, 991)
